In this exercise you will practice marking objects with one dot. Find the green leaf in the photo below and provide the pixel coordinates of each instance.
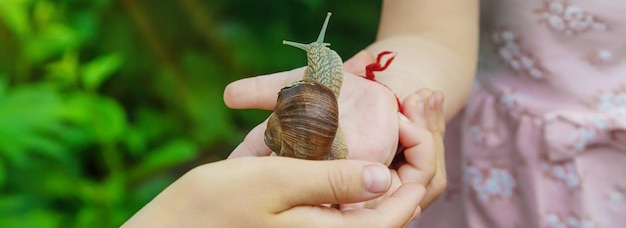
(3, 85)
(213, 120)
(65, 69)
(98, 70)
(21, 210)
(102, 117)
(3, 173)
(15, 15)
(87, 217)
(51, 41)
(114, 188)
(169, 155)
(150, 126)
(44, 12)
(30, 121)
(148, 189)
(314, 5)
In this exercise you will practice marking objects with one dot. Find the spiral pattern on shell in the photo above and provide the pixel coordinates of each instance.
(304, 122)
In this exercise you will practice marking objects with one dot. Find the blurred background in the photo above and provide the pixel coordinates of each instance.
(103, 103)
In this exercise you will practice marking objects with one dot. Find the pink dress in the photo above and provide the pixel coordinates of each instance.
(542, 142)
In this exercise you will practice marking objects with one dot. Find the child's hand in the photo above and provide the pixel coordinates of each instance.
(280, 192)
(422, 137)
(422, 161)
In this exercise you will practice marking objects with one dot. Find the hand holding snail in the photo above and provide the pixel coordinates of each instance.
(305, 122)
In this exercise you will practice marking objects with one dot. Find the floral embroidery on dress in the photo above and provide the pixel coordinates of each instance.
(511, 100)
(494, 183)
(585, 134)
(613, 103)
(600, 57)
(507, 47)
(484, 130)
(569, 19)
(560, 221)
(485, 136)
(478, 134)
(565, 173)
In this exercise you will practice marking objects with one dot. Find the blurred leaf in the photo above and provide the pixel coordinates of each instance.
(58, 181)
(205, 106)
(147, 190)
(15, 15)
(3, 174)
(65, 69)
(3, 86)
(44, 12)
(87, 217)
(20, 210)
(103, 117)
(115, 187)
(85, 22)
(30, 121)
(52, 40)
(149, 126)
(171, 154)
(313, 4)
(98, 70)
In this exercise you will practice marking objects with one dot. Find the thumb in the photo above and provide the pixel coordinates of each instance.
(260, 91)
(330, 182)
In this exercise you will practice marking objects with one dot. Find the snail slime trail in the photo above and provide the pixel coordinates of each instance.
(305, 121)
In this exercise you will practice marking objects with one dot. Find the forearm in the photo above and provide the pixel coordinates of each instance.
(436, 43)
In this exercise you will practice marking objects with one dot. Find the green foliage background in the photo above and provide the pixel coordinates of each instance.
(104, 103)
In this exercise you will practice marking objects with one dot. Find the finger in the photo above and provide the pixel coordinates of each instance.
(420, 155)
(441, 119)
(260, 91)
(395, 184)
(419, 101)
(434, 114)
(436, 122)
(395, 211)
(303, 182)
(356, 65)
(253, 144)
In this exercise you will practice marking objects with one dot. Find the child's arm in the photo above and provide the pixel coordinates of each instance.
(436, 42)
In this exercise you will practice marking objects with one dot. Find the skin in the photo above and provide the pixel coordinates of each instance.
(436, 43)
(258, 192)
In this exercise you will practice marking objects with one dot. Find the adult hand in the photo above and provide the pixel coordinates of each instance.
(280, 192)
(367, 112)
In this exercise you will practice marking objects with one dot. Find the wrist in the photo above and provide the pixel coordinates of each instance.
(422, 61)
(380, 65)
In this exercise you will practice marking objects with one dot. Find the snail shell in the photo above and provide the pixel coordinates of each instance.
(305, 122)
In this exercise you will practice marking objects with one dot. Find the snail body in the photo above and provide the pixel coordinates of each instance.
(305, 121)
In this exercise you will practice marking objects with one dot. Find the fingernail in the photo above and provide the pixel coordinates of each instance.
(376, 178)
(441, 98)
(420, 106)
(431, 102)
(403, 117)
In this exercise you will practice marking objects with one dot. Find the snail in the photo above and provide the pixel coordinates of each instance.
(305, 121)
